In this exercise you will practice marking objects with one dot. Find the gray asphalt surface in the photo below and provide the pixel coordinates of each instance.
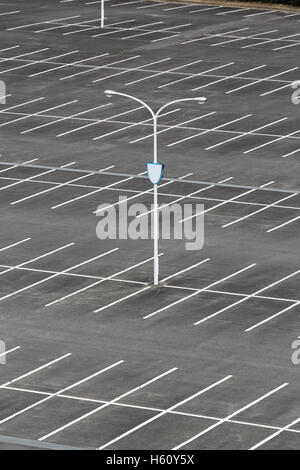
(96, 357)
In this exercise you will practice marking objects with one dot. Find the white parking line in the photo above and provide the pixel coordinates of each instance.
(261, 80)
(292, 14)
(163, 72)
(230, 416)
(95, 68)
(23, 55)
(139, 194)
(38, 369)
(164, 30)
(275, 434)
(41, 22)
(83, 27)
(133, 125)
(250, 296)
(10, 13)
(276, 89)
(120, 30)
(43, 400)
(272, 317)
(153, 5)
(198, 292)
(81, 418)
(90, 276)
(32, 177)
(187, 196)
(162, 413)
(116, 30)
(283, 225)
(22, 104)
(140, 28)
(40, 112)
(16, 165)
(15, 244)
(126, 3)
(290, 153)
(98, 282)
(93, 192)
(98, 121)
(58, 185)
(242, 38)
(196, 75)
(129, 190)
(268, 41)
(210, 36)
(130, 70)
(205, 9)
(185, 269)
(261, 13)
(129, 296)
(53, 275)
(173, 127)
(176, 8)
(27, 116)
(37, 258)
(10, 351)
(258, 211)
(140, 407)
(67, 65)
(272, 141)
(155, 409)
(243, 134)
(209, 130)
(42, 61)
(119, 22)
(233, 11)
(68, 25)
(229, 77)
(47, 124)
(286, 47)
(9, 48)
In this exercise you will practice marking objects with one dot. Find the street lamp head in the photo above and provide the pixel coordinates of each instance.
(201, 99)
(109, 93)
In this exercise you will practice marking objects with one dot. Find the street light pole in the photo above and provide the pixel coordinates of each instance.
(155, 116)
(155, 207)
(102, 13)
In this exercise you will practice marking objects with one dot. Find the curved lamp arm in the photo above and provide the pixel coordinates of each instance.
(109, 93)
(200, 100)
(154, 115)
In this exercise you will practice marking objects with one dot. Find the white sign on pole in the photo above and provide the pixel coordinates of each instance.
(155, 172)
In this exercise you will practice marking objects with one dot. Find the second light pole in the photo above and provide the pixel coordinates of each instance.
(155, 169)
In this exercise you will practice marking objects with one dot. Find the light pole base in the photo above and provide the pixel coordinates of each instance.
(156, 286)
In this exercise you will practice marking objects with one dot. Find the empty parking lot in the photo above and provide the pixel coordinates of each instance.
(96, 357)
